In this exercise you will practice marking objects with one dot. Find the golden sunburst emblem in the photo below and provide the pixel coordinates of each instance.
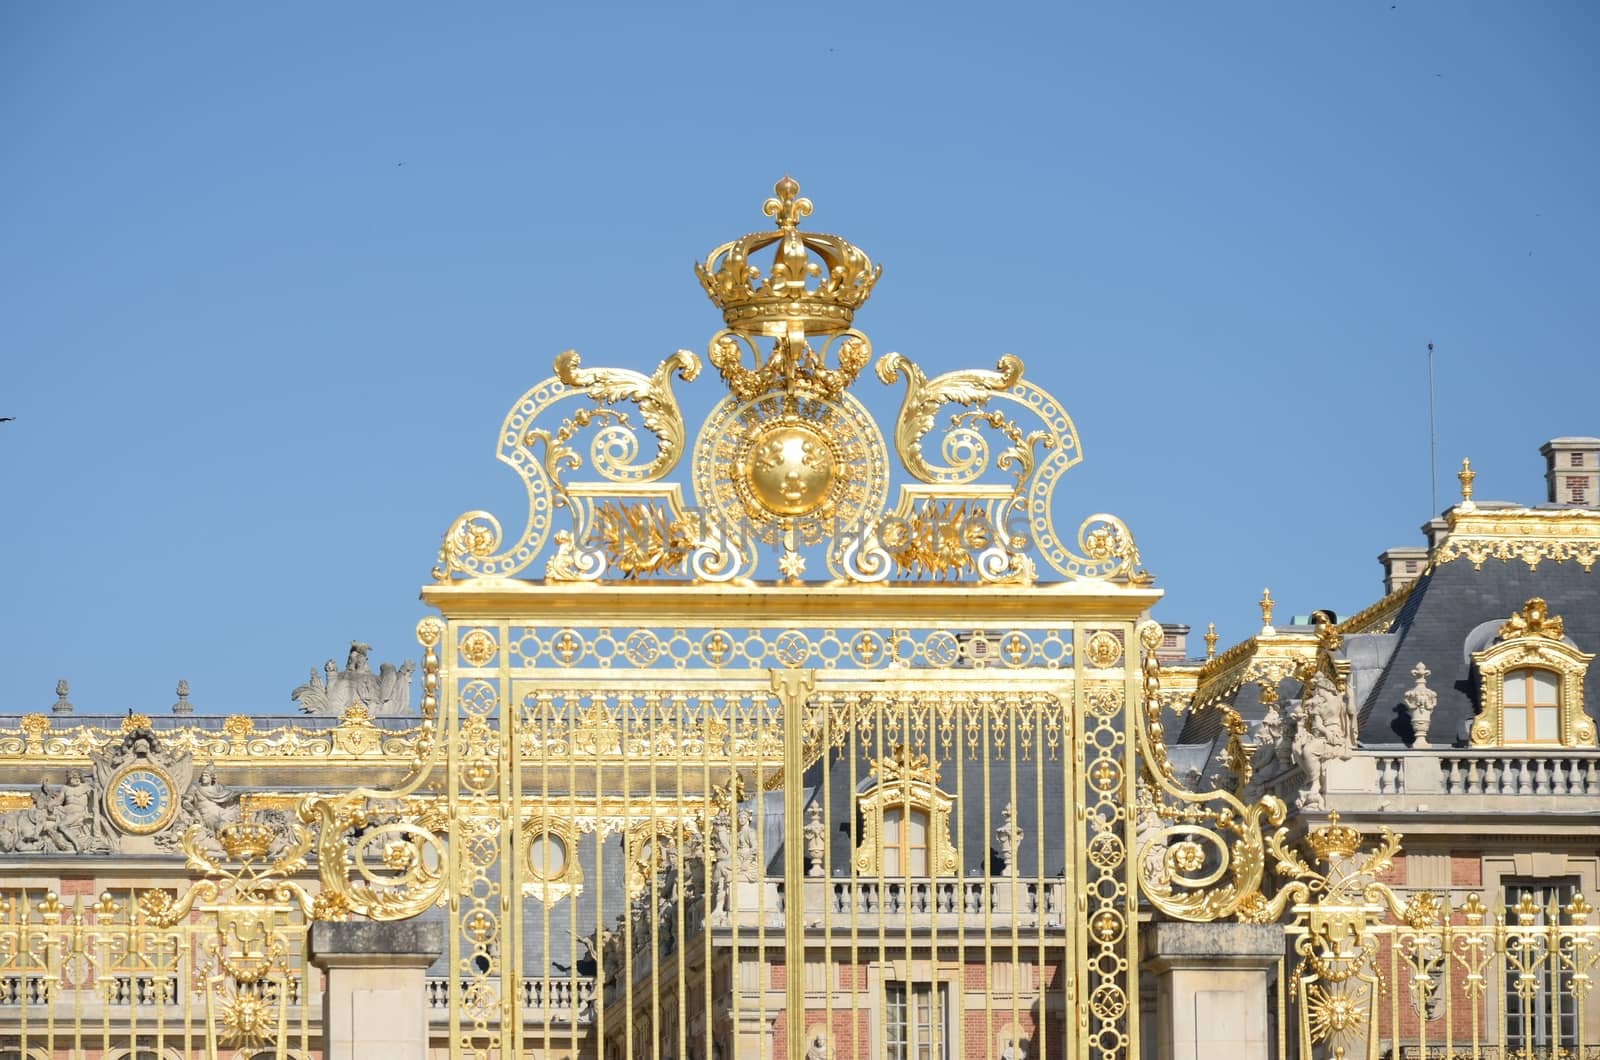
(790, 468)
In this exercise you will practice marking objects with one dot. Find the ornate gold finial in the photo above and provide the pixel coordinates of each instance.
(1334, 839)
(902, 763)
(1211, 640)
(1266, 605)
(1466, 475)
(814, 286)
(1534, 620)
(787, 208)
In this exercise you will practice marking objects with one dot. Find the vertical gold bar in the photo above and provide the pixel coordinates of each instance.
(1447, 952)
(629, 824)
(1078, 823)
(511, 861)
(1500, 966)
(708, 977)
(1394, 971)
(825, 757)
(956, 705)
(853, 743)
(986, 718)
(1041, 886)
(1013, 720)
(449, 711)
(793, 686)
(569, 705)
(652, 704)
(1283, 1012)
(678, 705)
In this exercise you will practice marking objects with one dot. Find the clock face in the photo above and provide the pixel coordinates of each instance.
(141, 800)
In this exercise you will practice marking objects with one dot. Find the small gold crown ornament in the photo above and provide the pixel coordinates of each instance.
(814, 286)
(1334, 839)
(245, 840)
(752, 304)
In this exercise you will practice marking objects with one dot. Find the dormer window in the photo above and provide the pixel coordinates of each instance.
(1530, 699)
(1531, 681)
(905, 820)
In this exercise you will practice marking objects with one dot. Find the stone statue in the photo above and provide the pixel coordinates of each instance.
(1271, 755)
(386, 692)
(62, 819)
(816, 840)
(1420, 701)
(1008, 840)
(748, 851)
(604, 947)
(209, 803)
(817, 1045)
(1324, 731)
(1014, 1050)
(69, 818)
(722, 854)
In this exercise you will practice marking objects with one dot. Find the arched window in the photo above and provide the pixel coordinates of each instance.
(1531, 685)
(905, 841)
(905, 820)
(1531, 698)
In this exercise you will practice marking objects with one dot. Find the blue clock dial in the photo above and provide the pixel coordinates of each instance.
(142, 800)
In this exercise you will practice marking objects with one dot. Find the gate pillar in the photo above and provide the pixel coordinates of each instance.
(1212, 983)
(374, 1002)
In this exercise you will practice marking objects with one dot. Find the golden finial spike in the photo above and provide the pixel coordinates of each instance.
(787, 208)
(1466, 475)
(1211, 640)
(1266, 608)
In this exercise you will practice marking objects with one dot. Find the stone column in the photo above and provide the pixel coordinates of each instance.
(374, 1002)
(1211, 988)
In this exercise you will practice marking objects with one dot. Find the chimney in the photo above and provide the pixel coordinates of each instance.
(1572, 471)
(1174, 643)
(1401, 565)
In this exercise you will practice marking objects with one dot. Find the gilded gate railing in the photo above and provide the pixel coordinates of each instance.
(1372, 973)
(216, 969)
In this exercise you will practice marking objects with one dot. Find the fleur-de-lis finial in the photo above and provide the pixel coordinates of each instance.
(1266, 608)
(787, 208)
(1466, 475)
(1211, 639)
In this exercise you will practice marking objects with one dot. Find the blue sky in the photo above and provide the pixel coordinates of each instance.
(273, 273)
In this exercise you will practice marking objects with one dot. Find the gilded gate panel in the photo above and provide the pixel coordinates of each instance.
(676, 800)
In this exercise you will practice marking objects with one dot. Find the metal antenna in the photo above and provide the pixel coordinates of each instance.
(1433, 441)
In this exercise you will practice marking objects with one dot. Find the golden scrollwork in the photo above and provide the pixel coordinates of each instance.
(472, 545)
(1221, 837)
(789, 460)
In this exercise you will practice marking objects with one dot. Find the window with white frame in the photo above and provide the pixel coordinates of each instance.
(1531, 699)
(916, 1021)
(905, 841)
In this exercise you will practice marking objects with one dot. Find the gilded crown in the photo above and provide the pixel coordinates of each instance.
(816, 281)
(1334, 840)
(245, 840)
